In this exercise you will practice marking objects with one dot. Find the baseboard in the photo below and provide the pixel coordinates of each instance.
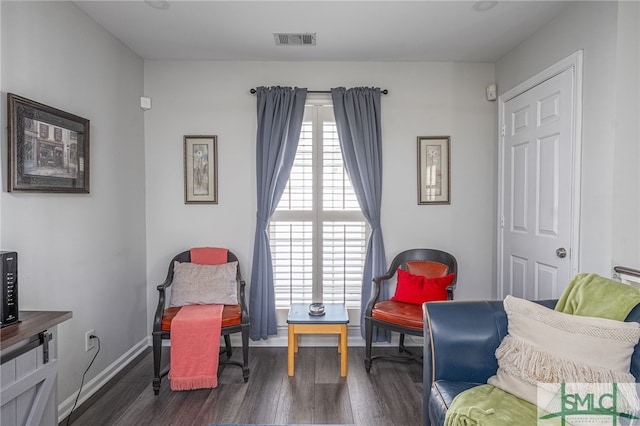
(94, 385)
(354, 339)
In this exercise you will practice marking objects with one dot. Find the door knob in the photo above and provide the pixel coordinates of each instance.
(561, 252)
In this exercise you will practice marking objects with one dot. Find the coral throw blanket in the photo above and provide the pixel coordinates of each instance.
(195, 347)
(209, 255)
(195, 335)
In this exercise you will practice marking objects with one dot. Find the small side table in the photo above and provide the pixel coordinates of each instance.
(334, 321)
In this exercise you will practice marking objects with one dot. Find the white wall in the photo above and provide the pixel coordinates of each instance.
(77, 252)
(425, 99)
(593, 27)
(626, 184)
(3, 130)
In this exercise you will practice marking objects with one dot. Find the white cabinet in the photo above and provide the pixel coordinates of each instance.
(29, 371)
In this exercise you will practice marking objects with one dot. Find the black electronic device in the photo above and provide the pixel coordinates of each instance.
(9, 274)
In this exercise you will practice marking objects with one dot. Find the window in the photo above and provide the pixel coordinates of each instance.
(318, 233)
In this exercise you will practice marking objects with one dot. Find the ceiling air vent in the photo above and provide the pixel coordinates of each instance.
(295, 39)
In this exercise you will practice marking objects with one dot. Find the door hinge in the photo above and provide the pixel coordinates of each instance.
(503, 130)
(501, 221)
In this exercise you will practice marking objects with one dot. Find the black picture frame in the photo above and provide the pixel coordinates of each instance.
(200, 169)
(434, 170)
(48, 148)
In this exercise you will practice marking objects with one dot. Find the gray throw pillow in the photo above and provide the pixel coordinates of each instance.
(195, 284)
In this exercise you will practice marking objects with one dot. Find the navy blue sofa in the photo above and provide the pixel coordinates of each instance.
(460, 340)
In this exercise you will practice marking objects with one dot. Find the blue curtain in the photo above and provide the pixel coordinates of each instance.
(357, 113)
(280, 112)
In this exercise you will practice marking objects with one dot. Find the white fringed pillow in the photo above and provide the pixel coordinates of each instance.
(195, 284)
(546, 346)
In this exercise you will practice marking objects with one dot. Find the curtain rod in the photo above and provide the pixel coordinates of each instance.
(383, 91)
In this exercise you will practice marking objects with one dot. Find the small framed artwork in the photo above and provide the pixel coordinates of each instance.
(434, 175)
(48, 148)
(201, 169)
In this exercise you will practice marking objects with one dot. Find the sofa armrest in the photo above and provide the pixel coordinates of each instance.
(461, 338)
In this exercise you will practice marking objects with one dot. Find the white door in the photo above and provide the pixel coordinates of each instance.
(538, 175)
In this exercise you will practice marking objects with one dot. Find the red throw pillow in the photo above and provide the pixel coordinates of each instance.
(417, 289)
(408, 288)
(436, 288)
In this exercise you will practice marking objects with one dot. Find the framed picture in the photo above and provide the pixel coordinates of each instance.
(48, 148)
(201, 169)
(434, 170)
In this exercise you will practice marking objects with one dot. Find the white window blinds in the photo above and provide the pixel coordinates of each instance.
(318, 234)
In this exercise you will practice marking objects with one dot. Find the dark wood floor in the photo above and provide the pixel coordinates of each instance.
(391, 394)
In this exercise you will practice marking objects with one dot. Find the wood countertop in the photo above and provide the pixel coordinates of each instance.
(31, 323)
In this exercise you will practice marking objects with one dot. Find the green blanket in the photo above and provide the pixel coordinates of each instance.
(586, 293)
(487, 405)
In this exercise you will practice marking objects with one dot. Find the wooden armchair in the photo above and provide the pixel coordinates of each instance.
(406, 318)
(235, 319)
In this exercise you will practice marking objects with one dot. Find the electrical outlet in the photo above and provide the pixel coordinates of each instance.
(89, 343)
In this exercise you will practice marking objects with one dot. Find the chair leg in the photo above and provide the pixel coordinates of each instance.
(403, 349)
(368, 327)
(227, 344)
(157, 355)
(245, 353)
